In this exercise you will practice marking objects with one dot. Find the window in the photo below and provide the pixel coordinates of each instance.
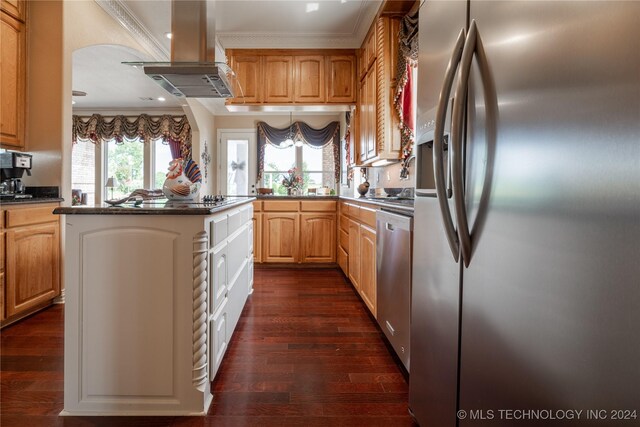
(161, 159)
(316, 164)
(83, 169)
(124, 162)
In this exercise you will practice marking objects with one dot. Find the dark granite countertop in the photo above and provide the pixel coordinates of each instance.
(155, 207)
(403, 205)
(32, 200)
(307, 197)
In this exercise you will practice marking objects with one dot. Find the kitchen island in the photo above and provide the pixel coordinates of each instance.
(153, 295)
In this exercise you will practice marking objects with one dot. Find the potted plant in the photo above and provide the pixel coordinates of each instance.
(292, 181)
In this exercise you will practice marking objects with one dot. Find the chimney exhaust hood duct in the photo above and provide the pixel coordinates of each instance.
(193, 72)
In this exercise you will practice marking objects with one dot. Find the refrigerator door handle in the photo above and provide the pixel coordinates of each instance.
(456, 143)
(438, 145)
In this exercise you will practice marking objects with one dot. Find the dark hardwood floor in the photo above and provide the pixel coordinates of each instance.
(305, 353)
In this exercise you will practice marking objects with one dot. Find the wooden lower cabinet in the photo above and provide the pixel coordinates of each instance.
(357, 250)
(32, 266)
(280, 233)
(368, 288)
(318, 237)
(354, 254)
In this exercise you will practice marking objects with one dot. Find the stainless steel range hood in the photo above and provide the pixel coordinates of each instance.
(193, 72)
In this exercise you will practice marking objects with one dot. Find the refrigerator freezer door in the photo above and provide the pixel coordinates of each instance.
(550, 315)
(436, 276)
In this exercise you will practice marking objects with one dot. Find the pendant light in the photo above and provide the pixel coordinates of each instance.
(289, 141)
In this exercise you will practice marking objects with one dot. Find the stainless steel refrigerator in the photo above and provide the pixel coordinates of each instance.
(526, 271)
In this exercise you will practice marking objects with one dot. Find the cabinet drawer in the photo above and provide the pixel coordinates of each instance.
(280, 206)
(354, 211)
(219, 229)
(235, 221)
(218, 338)
(257, 206)
(318, 206)
(19, 217)
(368, 216)
(344, 241)
(344, 223)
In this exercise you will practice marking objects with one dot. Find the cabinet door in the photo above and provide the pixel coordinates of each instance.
(309, 79)
(248, 69)
(15, 8)
(341, 83)
(12, 81)
(318, 237)
(363, 125)
(281, 237)
(370, 81)
(278, 74)
(219, 277)
(33, 257)
(354, 253)
(368, 288)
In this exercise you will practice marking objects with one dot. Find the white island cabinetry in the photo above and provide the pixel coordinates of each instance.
(151, 304)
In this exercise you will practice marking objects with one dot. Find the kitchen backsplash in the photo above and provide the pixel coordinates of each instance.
(381, 177)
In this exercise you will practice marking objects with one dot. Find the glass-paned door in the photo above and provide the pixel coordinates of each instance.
(237, 163)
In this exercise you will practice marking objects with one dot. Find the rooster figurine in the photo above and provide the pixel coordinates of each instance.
(183, 180)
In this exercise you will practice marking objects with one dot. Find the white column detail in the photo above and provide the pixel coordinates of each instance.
(200, 249)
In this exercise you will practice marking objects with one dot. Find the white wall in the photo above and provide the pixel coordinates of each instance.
(203, 133)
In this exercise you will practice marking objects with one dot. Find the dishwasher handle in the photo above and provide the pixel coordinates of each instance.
(391, 222)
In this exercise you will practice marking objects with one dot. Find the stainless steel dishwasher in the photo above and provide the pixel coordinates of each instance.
(394, 244)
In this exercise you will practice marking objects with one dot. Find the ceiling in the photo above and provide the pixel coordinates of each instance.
(110, 85)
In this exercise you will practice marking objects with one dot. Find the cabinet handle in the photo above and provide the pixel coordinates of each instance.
(456, 143)
(438, 145)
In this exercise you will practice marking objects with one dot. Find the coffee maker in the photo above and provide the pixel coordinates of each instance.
(12, 166)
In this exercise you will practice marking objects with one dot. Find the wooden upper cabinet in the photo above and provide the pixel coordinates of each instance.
(341, 85)
(15, 8)
(248, 69)
(294, 76)
(278, 74)
(309, 78)
(318, 237)
(12, 81)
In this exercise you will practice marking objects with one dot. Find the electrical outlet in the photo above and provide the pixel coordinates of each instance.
(377, 177)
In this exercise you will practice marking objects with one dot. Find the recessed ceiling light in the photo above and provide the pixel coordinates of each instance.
(161, 99)
(312, 7)
(168, 35)
(343, 1)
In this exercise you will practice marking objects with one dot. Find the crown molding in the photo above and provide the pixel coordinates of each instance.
(278, 41)
(121, 13)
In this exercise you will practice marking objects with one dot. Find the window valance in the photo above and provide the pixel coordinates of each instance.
(173, 130)
(407, 58)
(317, 138)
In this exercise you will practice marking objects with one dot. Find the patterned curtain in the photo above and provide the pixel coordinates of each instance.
(173, 130)
(316, 138)
(407, 59)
